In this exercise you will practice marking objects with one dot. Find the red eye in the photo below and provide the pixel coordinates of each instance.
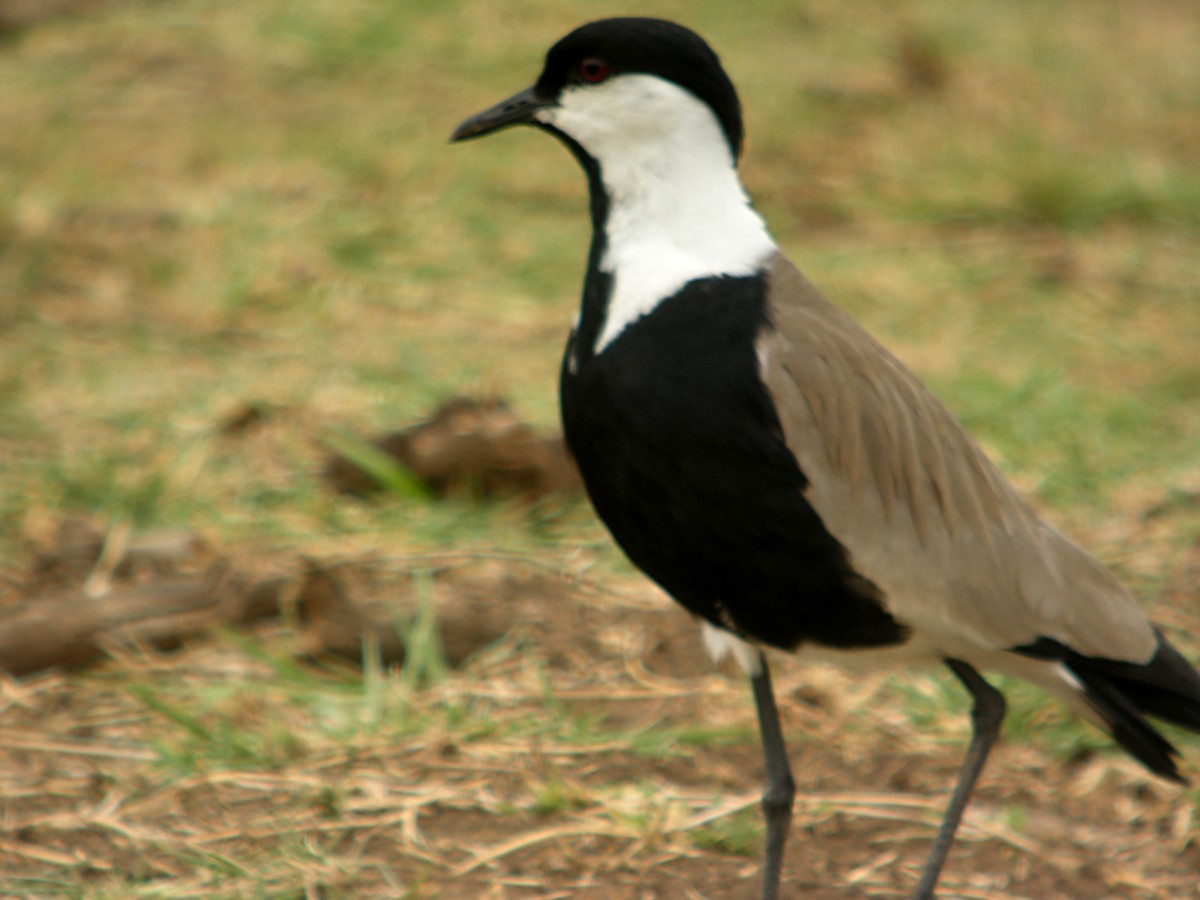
(594, 70)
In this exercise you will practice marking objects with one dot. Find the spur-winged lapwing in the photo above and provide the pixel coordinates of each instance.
(778, 472)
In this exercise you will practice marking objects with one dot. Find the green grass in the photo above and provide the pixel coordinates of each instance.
(739, 834)
(933, 702)
(275, 216)
(556, 797)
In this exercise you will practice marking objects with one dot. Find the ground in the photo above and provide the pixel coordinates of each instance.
(588, 749)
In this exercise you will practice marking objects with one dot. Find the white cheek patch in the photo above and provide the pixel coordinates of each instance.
(677, 211)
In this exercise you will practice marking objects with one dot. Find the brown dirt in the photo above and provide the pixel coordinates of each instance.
(455, 813)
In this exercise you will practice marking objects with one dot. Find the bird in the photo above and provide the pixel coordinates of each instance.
(776, 470)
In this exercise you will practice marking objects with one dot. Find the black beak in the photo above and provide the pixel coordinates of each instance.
(518, 109)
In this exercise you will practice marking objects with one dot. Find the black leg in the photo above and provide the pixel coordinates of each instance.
(781, 788)
(986, 716)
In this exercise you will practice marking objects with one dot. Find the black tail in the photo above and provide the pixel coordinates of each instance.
(1167, 687)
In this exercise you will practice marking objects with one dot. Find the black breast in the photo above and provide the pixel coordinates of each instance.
(683, 457)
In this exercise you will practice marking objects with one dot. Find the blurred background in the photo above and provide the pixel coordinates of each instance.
(233, 240)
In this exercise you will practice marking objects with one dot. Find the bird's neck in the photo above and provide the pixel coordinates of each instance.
(661, 219)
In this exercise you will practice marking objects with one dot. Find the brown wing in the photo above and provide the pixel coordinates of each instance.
(924, 514)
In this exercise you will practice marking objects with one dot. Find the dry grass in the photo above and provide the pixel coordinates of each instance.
(206, 206)
(605, 764)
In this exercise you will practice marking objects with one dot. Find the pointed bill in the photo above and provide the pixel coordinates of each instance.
(519, 109)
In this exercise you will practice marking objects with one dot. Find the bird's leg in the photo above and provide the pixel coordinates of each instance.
(780, 790)
(986, 716)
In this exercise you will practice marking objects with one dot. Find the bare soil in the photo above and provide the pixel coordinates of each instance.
(527, 809)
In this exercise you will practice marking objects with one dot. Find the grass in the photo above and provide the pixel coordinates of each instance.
(740, 834)
(206, 207)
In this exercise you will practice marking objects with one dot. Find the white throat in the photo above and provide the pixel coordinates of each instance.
(677, 211)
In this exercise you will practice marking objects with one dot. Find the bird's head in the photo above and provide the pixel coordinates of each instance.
(626, 87)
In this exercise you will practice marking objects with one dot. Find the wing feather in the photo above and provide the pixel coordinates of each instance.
(921, 509)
